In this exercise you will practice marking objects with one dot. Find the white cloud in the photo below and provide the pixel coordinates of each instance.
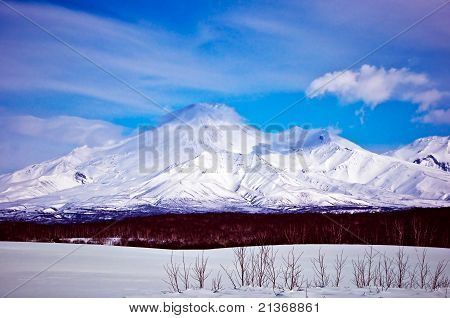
(247, 49)
(373, 86)
(435, 116)
(26, 140)
(64, 129)
(427, 98)
(162, 64)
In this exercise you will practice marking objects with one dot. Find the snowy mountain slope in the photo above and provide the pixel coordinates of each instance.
(206, 157)
(431, 152)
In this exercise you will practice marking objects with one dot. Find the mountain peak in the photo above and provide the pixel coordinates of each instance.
(204, 114)
(429, 151)
(431, 139)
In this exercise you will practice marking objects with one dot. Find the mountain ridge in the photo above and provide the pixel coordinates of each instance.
(432, 151)
(216, 161)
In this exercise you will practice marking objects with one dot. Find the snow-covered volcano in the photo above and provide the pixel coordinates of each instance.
(205, 157)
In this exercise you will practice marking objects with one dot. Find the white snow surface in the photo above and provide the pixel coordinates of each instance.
(428, 151)
(108, 271)
(205, 156)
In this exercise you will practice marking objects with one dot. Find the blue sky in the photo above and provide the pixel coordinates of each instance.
(256, 56)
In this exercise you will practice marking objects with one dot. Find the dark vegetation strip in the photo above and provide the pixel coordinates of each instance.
(414, 227)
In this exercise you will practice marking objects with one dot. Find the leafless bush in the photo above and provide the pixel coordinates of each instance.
(364, 270)
(438, 280)
(216, 283)
(272, 272)
(338, 266)
(412, 277)
(321, 278)
(241, 264)
(251, 275)
(185, 273)
(401, 267)
(359, 272)
(378, 274)
(172, 271)
(291, 270)
(199, 271)
(230, 275)
(388, 271)
(370, 258)
(423, 270)
(260, 268)
(259, 265)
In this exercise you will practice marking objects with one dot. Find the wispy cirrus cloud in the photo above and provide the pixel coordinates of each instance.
(26, 139)
(136, 53)
(160, 63)
(250, 48)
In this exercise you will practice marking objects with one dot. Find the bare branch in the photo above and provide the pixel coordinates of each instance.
(321, 278)
(216, 283)
(437, 279)
(292, 270)
(272, 272)
(172, 271)
(199, 272)
(401, 266)
(241, 264)
(338, 266)
(185, 274)
(423, 270)
(230, 275)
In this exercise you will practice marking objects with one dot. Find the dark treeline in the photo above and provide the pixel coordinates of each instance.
(416, 227)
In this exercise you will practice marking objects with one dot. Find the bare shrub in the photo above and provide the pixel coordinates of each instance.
(199, 271)
(216, 283)
(272, 272)
(370, 258)
(378, 280)
(321, 278)
(339, 263)
(388, 271)
(259, 265)
(412, 277)
(185, 273)
(359, 272)
(230, 275)
(250, 274)
(291, 270)
(438, 280)
(378, 270)
(401, 268)
(423, 270)
(241, 264)
(172, 271)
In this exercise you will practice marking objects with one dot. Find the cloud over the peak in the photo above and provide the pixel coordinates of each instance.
(374, 85)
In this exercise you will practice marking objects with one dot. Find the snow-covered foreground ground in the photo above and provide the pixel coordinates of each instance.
(107, 271)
